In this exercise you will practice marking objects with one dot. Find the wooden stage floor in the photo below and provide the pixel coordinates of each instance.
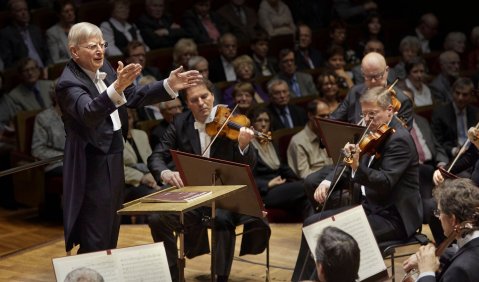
(27, 246)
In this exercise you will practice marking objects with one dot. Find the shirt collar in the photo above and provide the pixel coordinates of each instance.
(469, 237)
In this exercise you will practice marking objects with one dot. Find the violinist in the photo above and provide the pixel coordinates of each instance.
(187, 133)
(388, 179)
(458, 202)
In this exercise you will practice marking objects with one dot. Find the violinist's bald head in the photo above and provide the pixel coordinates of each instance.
(374, 69)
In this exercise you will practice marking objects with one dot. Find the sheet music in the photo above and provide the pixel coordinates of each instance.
(355, 223)
(138, 263)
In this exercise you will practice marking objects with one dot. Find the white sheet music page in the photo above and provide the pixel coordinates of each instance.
(355, 223)
(139, 263)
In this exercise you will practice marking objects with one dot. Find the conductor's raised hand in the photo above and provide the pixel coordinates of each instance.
(126, 75)
(180, 79)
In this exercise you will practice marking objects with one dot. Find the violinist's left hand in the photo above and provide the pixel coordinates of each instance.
(244, 137)
(473, 135)
(353, 151)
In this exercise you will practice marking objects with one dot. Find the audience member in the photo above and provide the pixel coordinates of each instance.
(426, 31)
(336, 62)
(117, 31)
(265, 65)
(456, 41)
(375, 72)
(22, 39)
(415, 74)
(457, 205)
(187, 134)
(242, 21)
(157, 28)
(184, 49)
(328, 88)
(441, 85)
(299, 83)
(57, 35)
(243, 96)
(148, 112)
(221, 67)
(204, 25)
(275, 18)
(409, 48)
(372, 29)
(390, 196)
(338, 36)
(306, 154)
(451, 120)
(473, 55)
(337, 256)
(135, 53)
(279, 186)
(283, 113)
(168, 110)
(200, 64)
(244, 70)
(307, 57)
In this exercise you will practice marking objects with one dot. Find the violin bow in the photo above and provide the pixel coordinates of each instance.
(218, 133)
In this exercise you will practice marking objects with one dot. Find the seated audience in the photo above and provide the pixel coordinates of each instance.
(135, 53)
(157, 28)
(184, 49)
(264, 64)
(242, 20)
(117, 31)
(457, 209)
(307, 57)
(275, 17)
(202, 24)
(243, 96)
(306, 154)
(328, 88)
(57, 35)
(409, 48)
(338, 36)
(426, 31)
(335, 61)
(372, 30)
(221, 67)
(279, 186)
(450, 64)
(456, 41)
(415, 75)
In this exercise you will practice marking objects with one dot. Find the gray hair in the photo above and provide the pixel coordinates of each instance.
(195, 60)
(411, 42)
(80, 32)
(273, 82)
(453, 37)
(379, 95)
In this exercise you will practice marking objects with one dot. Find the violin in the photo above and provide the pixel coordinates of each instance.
(370, 142)
(228, 125)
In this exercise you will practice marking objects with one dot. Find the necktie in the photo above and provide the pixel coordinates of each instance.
(38, 97)
(210, 27)
(420, 150)
(461, 127)
(285, 118)
(295, 87)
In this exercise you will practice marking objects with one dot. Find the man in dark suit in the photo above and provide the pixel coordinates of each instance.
(204, 25)
(375, 72)
(241, 19)
(283, 113)
(187, 134)
(96, 121)
(300, 83)
(22, 39)
(457, 200)
(307, 57)
(441, 86)
(221, 67)
(451, 121)
(389, 179)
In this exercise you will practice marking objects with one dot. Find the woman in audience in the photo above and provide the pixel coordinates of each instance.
(328, 88)
(183, 50)
(117, 31)
(338, 36)
(243, 96)
(416, 70)
(456, 41)
(278, 185)
(57, 35)
(473, 55)
(409, 47)
(372, 30)
(275, 17)
(244, 70)
(336, 62)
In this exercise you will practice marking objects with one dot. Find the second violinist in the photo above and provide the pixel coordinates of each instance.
(387, 181)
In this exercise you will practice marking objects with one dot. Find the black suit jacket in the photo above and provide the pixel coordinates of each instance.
(87, 121)
(147, 26)
(216, 70)
(350, 109)
(244, 33)
(192, 24)
(444, 125)
(314, 55)
(298, 116)
(13, 48)
(392, 180)
(463, 266)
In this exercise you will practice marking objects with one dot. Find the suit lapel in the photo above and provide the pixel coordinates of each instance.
(192, 134)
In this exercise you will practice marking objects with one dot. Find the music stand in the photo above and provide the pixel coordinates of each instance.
(198, 170)
(335, 134)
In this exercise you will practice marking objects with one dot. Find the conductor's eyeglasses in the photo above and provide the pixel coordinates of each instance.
(96, 46)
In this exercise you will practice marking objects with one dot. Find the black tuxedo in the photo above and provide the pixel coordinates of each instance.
(463, 266)
(181, 135)
(298, 116)
(93, 176)
(444, 125)
(392, 201)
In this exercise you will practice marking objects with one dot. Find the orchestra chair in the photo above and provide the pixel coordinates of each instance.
(388, 248)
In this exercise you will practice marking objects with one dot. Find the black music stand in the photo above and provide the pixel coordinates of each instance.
(335, 134)
(198, 171)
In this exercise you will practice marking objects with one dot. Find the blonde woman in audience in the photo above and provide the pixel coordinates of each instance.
(243, 96)
(416, 71)
(409, 47)
(183, 50)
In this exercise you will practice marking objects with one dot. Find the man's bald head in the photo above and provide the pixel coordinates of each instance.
(374, 69)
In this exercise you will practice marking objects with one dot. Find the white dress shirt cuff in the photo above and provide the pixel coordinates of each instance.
(118, 99)
(243, 152)
(168, 89)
